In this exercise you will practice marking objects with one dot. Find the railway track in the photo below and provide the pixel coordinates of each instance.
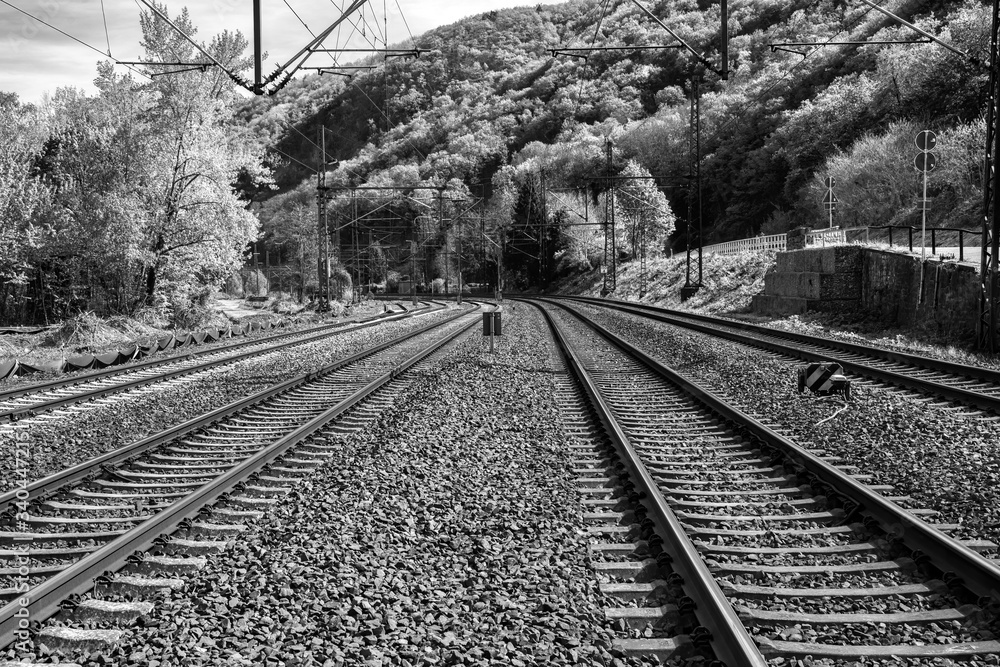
(36, 399)
(722, 535)
(951, 383)
(129, 522)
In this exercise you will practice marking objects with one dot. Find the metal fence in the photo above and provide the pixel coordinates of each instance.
(944, 243)
(775, 242)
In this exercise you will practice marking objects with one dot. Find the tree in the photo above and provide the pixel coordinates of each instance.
(643, 208)
(196, 222)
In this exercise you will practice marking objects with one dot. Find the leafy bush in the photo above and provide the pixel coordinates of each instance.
(572, 262)
(392, 282)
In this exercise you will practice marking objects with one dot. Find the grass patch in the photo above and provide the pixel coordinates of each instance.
(729, 282)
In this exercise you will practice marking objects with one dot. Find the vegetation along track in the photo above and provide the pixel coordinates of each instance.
(182, 493)
(972, 386)
(31, 400)
(754, 544)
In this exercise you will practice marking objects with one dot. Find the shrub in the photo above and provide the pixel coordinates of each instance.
(572, 262)
(392, 282)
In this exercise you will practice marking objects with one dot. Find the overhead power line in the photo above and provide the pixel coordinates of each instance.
(61, 32)
(75, 39)
(195, 44)
(107, 36)
(403, 16)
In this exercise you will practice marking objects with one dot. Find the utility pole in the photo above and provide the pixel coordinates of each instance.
(320, 214)
(503, 251)
(694, 196)
(323, 234)
(256, 270)
(356, 292)
(458, 226)
(302, 257)
(258, 54)
(610, 278)
(990, 268)
(482, 233)
(447, 264)
(642, 258)
(543, 242)
(697, 169)
(413, 268)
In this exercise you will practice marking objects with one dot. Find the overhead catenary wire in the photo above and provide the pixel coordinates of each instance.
(153, 8)
(361, 90)
(281, 152)
(310, 48)
(61, 32)
(107, 36)
(600, 22)
(299, 17)
(66, 34)
(760, 96)
(308, 29)
(403, 16)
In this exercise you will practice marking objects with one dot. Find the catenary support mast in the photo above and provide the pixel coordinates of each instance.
(990, 271)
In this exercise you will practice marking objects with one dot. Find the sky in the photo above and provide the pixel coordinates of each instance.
(35, 59)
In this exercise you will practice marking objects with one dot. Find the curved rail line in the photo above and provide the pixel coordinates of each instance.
(768, 541)
(179, 492)
(960, 383)
(34, 399)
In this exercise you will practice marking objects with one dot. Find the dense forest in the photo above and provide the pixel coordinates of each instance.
(134, 201)
(489, 110)
(489, 151)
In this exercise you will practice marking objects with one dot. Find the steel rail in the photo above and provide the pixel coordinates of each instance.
(977, 574)
(975, 372)
(43, 600)
(46, 486)
(115, 370)
(730, 640)
(965, 396)
(44, 406)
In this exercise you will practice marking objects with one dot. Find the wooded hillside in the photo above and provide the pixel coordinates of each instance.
(488, 104)
(149, 194)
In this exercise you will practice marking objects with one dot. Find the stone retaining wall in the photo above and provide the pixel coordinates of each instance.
(825, 279)
(874, 283)
(950, 304)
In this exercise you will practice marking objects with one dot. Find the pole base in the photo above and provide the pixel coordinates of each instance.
(689, 291)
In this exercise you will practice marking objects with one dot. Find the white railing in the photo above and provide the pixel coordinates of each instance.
(825, 237)
(775, 242)
(779, 242)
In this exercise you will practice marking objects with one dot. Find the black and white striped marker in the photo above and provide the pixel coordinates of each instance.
(824, 379)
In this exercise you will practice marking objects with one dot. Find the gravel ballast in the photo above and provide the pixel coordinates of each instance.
(447, 532)
(75, 438)
(41, 354)
(945, 461)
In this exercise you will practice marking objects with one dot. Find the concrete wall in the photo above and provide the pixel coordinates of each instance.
(827, 279)
(876, 284)
(891, 292)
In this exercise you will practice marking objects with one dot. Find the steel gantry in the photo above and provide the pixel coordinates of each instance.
(610, 256)
(694, 195)
(990, 271)
(722, 71)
